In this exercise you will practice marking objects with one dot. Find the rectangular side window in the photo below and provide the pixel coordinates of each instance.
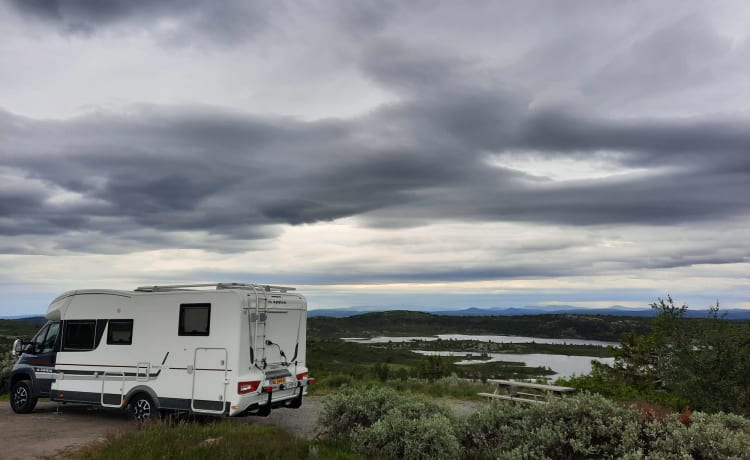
(79, 335)
(195, 318)
(120, 332)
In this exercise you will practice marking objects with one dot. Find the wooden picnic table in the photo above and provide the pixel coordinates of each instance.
(511, 390)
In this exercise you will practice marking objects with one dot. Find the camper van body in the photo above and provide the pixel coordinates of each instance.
(224, 349)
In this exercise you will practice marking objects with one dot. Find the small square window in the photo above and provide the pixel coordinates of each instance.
(120, 332)
(79, 335)
(195, 318)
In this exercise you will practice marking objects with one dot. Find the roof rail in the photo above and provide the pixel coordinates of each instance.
(218, 286)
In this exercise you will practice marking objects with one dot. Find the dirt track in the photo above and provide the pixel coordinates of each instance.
(45, 431)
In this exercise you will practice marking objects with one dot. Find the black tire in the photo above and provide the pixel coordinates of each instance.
(22, 397)
(142, 408)
(265, 411)
(295, 403)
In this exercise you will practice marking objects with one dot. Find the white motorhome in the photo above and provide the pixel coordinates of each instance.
(224, 349)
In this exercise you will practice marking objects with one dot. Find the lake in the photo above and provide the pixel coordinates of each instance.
(563, 365)
(484, 338)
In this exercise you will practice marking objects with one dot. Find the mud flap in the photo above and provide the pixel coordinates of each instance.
(265, 411)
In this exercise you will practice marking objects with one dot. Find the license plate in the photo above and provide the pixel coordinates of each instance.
(278, 380)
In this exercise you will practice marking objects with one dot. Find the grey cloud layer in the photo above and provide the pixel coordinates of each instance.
(176, 169)
(466, 84)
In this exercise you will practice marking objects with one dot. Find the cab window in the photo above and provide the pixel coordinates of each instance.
(44, 340)
(51, 338)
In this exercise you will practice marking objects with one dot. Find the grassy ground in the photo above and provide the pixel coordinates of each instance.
(224, 439)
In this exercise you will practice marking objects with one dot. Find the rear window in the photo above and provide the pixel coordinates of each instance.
(120, 332)
(195, 319)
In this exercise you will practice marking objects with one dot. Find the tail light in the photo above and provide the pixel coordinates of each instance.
(302, 375)
(247, 387)
(311, 381)
(268, 389)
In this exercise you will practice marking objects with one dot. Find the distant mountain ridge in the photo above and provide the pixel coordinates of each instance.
(738, 314)
(615, 310)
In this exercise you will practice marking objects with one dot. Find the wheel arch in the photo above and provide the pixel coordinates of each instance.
(24, 374)
(142, 389)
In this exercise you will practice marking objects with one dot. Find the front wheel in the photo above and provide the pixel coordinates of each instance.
(22, 399)
(142, 408)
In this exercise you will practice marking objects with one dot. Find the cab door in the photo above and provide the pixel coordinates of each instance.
(41, 354)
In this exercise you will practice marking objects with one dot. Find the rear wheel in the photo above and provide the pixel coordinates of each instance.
(295, 403)
(142, 408)
(265, 411)
(22, 399)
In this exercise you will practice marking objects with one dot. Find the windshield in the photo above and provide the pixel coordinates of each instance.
(44, 340)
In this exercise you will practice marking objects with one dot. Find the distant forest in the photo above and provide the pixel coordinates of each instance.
(410, 323)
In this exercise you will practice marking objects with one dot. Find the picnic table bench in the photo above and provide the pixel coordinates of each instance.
(511, 390)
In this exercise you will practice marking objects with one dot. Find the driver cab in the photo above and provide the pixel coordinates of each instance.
(36, 356)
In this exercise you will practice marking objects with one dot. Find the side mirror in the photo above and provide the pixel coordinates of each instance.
(17, 346)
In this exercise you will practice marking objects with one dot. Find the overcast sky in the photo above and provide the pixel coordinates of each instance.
(390, 153)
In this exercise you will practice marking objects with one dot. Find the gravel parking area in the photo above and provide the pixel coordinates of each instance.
(47, 431)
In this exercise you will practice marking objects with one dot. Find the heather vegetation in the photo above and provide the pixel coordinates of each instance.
(380, 422)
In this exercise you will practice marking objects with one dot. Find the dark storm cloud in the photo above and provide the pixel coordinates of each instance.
(657, 139)
(142, 177)
(228, 174)
(223, 21)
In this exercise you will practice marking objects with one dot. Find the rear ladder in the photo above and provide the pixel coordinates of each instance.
(258, 320)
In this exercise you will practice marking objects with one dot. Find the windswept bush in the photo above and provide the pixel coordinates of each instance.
(399, 435)
(582, 427)
(590, 426)
(384, 423)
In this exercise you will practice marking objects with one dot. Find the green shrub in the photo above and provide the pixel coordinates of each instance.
(584, 427)
(590, 426)
(351, 408)
(709, 436)
(384, 423)
(400, 435)
(380, 422)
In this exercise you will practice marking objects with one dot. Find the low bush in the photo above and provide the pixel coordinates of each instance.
(585, 427)
(400, 435)
(379, 422)
(351, 408)
(590, 426)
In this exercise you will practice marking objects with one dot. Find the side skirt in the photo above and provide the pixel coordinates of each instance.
(111, 398)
